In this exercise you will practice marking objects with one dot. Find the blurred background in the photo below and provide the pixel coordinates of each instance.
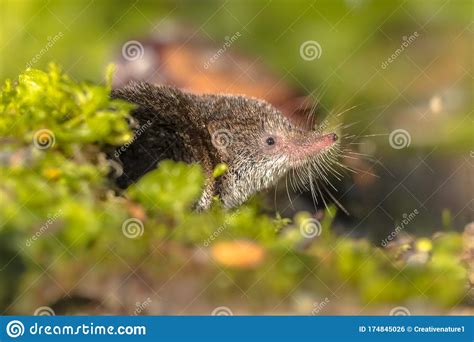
(397, 76)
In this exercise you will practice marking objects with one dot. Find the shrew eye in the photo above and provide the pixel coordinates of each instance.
(270, 141)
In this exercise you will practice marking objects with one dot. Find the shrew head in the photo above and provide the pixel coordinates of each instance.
(260, 145)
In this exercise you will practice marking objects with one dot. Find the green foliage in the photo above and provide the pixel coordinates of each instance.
(173, 188)
(75, 113)
(58, 212)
